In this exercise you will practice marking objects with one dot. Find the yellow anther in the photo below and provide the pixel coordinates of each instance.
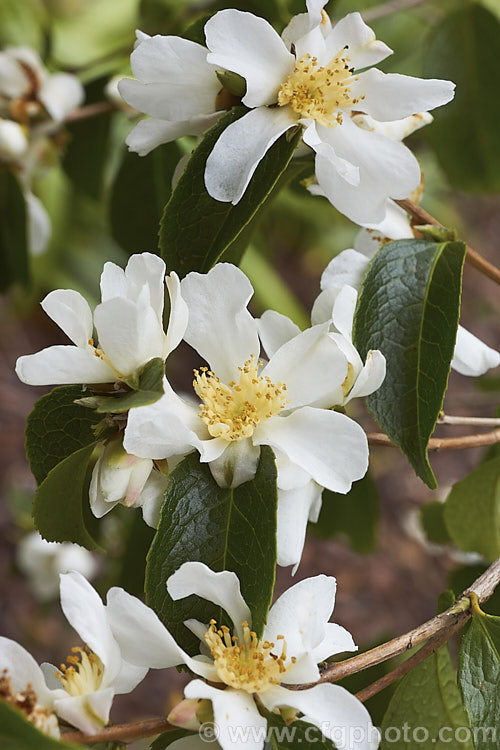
(85, 674)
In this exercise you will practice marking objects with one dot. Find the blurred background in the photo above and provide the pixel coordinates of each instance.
(386, 542)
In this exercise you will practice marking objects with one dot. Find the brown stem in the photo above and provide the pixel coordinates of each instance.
(91, 110)
(121, 732)
(443, 444)
(420, 216)
(386, 9)
(478, 421)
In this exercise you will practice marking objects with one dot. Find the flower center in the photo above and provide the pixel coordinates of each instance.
(27, 702)
(233, 411)
(83, 672)
(250, 665)
(320, 93)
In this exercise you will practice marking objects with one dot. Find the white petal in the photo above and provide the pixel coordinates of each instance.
(240, 148)
(14, 81)
(301, 614)
(396, 130)
(237, 464)
(371, 376)
(343, 310)
(151, 498)
(85, 612)
(312, 367)
(294, 507)
(72, 314)
(395, 226)
(331, 447)
(391, 96)
(347, 170)
(363, 47)
(61, 365)
(89, 713)
(387, 170)
(60, 94)
(233, 710)
(143, 639)
(129, 334)
(348, 267)
(39, 226)
(23, 669)
(13, 142)
(148, 134)
(275, 330)
(223, 589)
(248, 45)
(220, 327)
(128, 678)
(179, 313)
(163, 429)
(472, 356)
(334, 710)
(323, 306)
(145, 269)
(337, 640)
(99, 505)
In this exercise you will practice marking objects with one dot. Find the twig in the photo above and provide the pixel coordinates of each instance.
(479, 421)
(474, 258)
(91, 110)
(121, 732)
(443, 444)
(386, 9)
(446, 623)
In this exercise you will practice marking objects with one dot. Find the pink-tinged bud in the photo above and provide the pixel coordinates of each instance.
(191, 713)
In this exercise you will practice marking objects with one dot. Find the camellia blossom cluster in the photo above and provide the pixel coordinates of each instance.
(315, 77)
(33, 105)
(240, 401)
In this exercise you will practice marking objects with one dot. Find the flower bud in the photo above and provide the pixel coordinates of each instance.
(13, 142)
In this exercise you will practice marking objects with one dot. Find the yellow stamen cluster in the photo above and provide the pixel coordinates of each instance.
(82, 674)
(320, 93)
(250, 665)
(233, 411)
(26, 701)
(349, 380)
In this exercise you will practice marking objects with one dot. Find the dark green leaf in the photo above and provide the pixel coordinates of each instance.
(196, 229)
(472, 511)
(408, 308)
(149, 389)
(432, 518)
(14, 263)
(166, 739)
(88, 146)
(463, 48)
(479, 679)
(140, 190)
(426, 710)
(354, 514)
(58, 502)
(227, 529)
(56, 428)
(299, 735)
(16, 733)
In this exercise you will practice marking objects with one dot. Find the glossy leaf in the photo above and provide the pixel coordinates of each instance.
(14, 262)
(479, 679)
(227, 529)
(16, 733)
(58, 503)
(472, 511)
(149, 389)
(140, 190)
(408, 308)
(463, 48)
(355, 515)
(197, 230)
(299, 735)
(56, 428)
(426, 710)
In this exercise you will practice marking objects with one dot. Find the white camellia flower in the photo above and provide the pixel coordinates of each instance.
(308, 77)
(128, 322)
(238, 667)
(244, 403)
(119, 477)
(80, 692)
(471, 357)
(175, 85)
(42, 562)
